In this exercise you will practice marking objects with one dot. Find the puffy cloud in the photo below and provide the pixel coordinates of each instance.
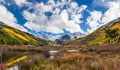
(112, 13)
(102, 3)
(20, 2)
(94, 20)
(66, 15)
(97, 19)
(62, 15)
(55, 24)
(9, 19)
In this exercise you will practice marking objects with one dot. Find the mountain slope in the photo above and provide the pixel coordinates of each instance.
(12, 36)
(109, 33)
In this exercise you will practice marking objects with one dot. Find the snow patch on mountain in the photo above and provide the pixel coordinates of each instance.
(62, 39)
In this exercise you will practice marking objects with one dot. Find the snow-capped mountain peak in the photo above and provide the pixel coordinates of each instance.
(62, 39)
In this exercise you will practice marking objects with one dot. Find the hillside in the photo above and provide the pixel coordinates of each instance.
(109, 33)
(12, 36)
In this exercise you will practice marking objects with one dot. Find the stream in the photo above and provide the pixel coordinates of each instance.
(13, 68)
(52, 54)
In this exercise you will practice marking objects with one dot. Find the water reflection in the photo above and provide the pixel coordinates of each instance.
(52, 54)
(55, 53)
(13, 68)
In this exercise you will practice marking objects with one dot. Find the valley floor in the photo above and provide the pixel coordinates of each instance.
(97, 57)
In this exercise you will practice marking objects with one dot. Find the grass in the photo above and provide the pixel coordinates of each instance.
(11, 36)
(97, 57)
(105, 35)
(14, 61)
(71, 57)
(73, 61)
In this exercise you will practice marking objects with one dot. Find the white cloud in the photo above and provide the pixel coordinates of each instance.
(9, 19)
(29, 16)
(96, 17)
(102, 3)
(41, 7)
(94, 20)
(52, 25)
(112, 13)
(66, 15)
(55, 24)
(20, 2)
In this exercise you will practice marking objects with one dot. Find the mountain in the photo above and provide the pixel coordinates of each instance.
(62, 39)
(109, 33)
(12, 36)
(48, 37)
(69, 37)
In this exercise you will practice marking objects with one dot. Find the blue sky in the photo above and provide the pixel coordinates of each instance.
(56, 17)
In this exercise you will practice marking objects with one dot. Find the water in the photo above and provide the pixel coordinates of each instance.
(73, 51)
(13, 68)
(52, 54)
(55, 53)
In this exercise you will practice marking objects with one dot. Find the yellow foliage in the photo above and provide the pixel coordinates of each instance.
(9, 31)
(12, 33)
(116, 26)
(22, 37)
(29, 38)
(11, 62)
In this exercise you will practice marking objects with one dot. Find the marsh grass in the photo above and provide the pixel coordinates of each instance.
(73, 61)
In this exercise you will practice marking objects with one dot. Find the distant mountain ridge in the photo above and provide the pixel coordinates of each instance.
(12, 36)
(48, 37)
(62, 39)
(69, 37)
(108, 33)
